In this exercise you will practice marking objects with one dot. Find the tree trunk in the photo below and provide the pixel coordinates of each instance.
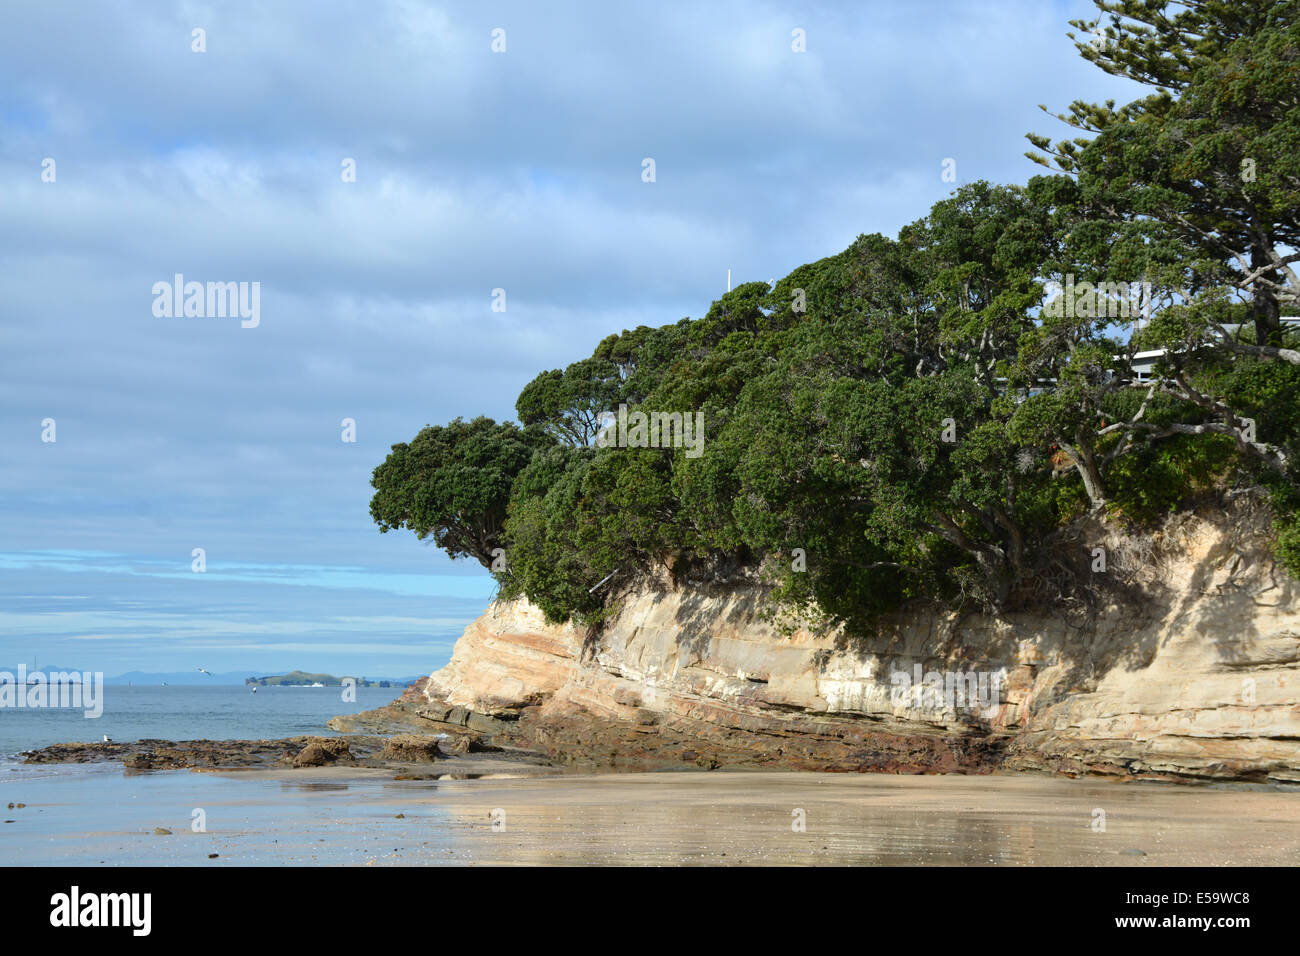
(1264, 306)
(1085, 463)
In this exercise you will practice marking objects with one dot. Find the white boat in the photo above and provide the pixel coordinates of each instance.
(317, 684)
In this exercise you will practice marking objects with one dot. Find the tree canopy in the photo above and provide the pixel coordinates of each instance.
(926, 417)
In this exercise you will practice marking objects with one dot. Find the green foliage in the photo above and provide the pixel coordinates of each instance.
(1288, 544)
(568, 404)
(1163, 477)
(453, 482)
(542, 559)
(914, 418)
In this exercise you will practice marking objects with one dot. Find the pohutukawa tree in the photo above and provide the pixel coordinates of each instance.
(452, 483)
(928, 417)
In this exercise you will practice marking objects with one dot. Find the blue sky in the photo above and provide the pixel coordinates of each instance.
(475, 171)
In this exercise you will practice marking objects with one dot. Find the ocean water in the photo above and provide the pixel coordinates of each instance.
(222, 712)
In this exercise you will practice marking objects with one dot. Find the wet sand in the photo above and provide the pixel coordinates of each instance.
(101, 815)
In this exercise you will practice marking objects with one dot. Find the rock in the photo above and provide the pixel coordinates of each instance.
(411, 748)
(213, 856)
(1185, 672)
(469, 744)
(321, 751)
(1132, 851)
(142, 761)
(76, 753)
(175, 755)
(161, 831)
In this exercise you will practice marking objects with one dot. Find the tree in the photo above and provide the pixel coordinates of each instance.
(917, 417)
(569, 404)
(1213, 155)
(1207, 165)
(979, 252)
(452, 483)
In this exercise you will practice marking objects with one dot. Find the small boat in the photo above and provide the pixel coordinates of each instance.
(317, 684)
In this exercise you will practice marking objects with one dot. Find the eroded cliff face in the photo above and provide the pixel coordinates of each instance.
(1195, 674)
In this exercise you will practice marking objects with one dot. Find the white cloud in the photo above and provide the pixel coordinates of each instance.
(475, 171)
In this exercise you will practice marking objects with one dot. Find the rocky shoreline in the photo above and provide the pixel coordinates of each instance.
(1188, 673)
(154, 754)
(582, 741)
(410, 755)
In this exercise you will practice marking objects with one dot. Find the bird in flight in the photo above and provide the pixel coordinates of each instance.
(202, 671)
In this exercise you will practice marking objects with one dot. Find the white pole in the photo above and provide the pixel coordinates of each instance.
(728, 280)
(604, 579)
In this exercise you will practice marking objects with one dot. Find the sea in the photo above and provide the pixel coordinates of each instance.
(220, 712)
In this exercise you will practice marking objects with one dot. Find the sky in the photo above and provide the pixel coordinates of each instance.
(475, 170)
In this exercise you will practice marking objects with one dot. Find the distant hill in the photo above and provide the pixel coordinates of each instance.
(196, 678)
(306, 679)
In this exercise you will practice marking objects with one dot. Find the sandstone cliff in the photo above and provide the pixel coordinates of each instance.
(1194, 674)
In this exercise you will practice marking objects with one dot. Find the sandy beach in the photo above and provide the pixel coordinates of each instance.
(101, 815)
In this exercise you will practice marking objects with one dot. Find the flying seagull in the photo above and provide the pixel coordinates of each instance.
(202, 671)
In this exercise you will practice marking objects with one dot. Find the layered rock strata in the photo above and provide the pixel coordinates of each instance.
(1194, 675)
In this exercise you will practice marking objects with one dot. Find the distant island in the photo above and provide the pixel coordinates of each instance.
(197, 678)
(304, 679)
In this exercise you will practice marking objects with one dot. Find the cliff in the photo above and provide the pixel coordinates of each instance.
(1191, 673)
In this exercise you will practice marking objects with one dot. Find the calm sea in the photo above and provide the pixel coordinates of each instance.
(188, 713)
